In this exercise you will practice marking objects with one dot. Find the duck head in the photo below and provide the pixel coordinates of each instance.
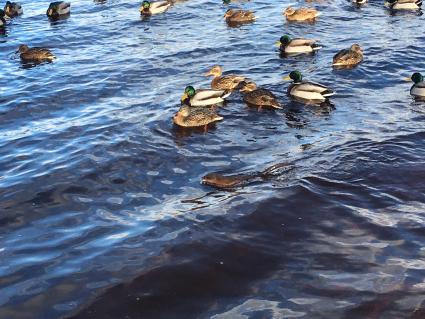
(189, 92)
(417, 77)
(247, 87)
(215, 71)
(22, 48)
(289, 11)
(228, 13)
(356, 48)
(295, 76)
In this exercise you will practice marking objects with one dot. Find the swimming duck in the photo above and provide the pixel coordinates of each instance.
(201, 97)
(35, 55)
(297, 46)
(149, 8)
(349, 57)
(418, 88)
(58, 8)
(403, 4)
(2, 20)
(307, 92)
(194, 117)
(239, 16)
(259, 97)
(13, 9)
(359, 2)
(301, 14)
(223, 82)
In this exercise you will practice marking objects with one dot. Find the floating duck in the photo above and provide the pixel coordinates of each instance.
(13, 9)
(259, 97)
(58, 8)
(297, 45)
(2, 20)
(301, 14)
(307, 92)
(349, 57)
(192, 97)
(35, 55)
(223, 82)
(239, 16)
(359, 2)
(403, 4)
(149, 8)
(418, 88)
(195, 117)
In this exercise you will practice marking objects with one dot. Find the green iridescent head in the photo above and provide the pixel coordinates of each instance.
(296, 76)
(226, 1)
(285, 39)
(417, 77)
(190, 91)
(146, 4)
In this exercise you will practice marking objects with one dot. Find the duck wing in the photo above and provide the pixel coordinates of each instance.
(160, 5)
(301, 42)
(208, 97)
(262, 97)
(315, 88)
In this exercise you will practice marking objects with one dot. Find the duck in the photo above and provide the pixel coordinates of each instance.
(223, 82)
(13, 9)
(301, 14)
(259, 97)
(359, 2)
(418, 88)
(149, 8)
(297, 45)
(307, 92)
(58, 8)
(239, 16)
(203, 97)
(349, 57)
(403, 4)
(2, 20)
(35, 55)
(187, 116)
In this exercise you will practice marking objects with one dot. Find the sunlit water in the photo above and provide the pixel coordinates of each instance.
(102, 213)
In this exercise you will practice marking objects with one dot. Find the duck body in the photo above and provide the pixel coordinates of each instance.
(418, 88)
(297, 45)
(203, 97)
(35, 55)
(306, 91)
(223, 82)
(348, 57)
(58, 8)
(301, 14)
(359, 2)
(195, 117)
(259, 97)
(403, 4)
(151, 8)
(13, 9)
(239, 16)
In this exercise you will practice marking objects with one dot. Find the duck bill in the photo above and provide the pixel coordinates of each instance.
(407, 79)
(278, 44)
(208, 73)
(49, 12)
(184, 97)
(287, 78)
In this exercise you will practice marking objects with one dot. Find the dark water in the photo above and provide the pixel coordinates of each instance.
(101, 210)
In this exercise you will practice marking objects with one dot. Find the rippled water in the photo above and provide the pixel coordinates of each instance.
(101, 211)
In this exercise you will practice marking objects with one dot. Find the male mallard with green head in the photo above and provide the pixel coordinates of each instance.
(301, 14)
(203, 97)
(188, 116)
(305, 91)
(149, 8)
(403, 4)
(418, 88)
(13, 9)
(58, 8)
(223, 82)
(259, 97)
(35, 55)
(239, 16)
(349, 57)
(297, 45)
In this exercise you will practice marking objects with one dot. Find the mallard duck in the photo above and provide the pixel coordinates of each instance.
(308, 92)
(403, 4)
(418, 88)
(359, 2)
(301, 14)
(149, 8)
(35, 55)
(58, 8)
(194, 117)
(13, 9)
(2, 20)
(349, 57)
(204, 97)
(223, 82)
(259, 97)
(297, 46)
(239, 16)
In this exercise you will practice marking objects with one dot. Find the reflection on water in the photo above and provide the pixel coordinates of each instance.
(102, 214)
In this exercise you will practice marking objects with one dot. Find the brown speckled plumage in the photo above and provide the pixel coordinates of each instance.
(195, 117)
(239, 16)
(301, 14)
(36, 55)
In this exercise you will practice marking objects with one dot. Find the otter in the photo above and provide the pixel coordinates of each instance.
(220, 181)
